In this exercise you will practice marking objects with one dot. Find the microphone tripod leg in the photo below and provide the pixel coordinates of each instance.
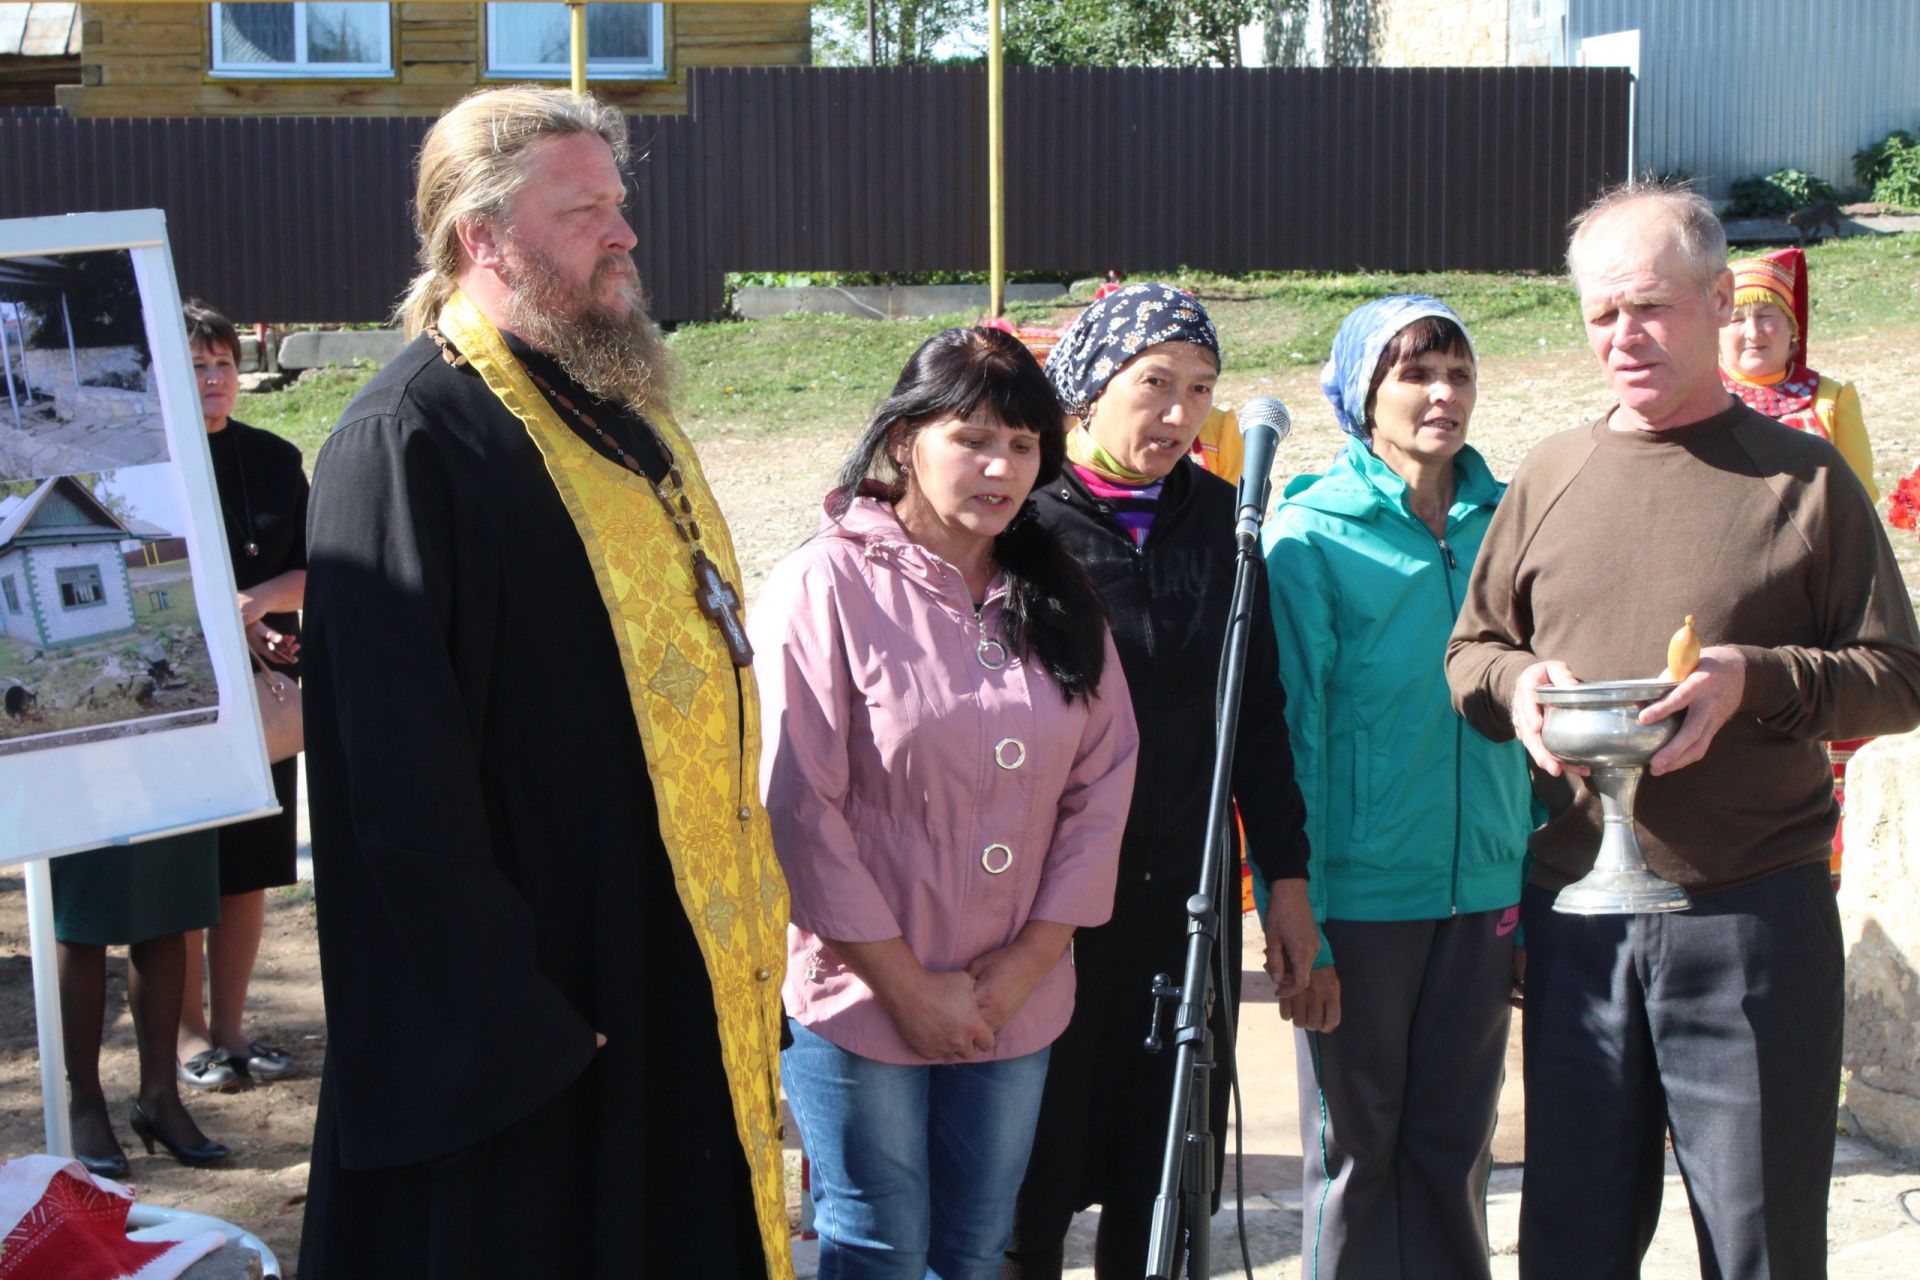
(1196, 1180)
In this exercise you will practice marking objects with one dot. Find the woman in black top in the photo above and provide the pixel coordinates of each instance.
(263, 500)
(1156, 534)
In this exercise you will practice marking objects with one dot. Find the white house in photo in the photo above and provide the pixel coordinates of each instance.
(62, 577)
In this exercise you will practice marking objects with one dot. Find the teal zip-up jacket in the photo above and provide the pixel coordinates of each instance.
(1411, 813)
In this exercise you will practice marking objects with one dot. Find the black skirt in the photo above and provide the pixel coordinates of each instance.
(1103, 1118)
(261, 854)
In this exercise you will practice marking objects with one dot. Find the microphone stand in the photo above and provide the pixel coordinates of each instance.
(1187, 1180)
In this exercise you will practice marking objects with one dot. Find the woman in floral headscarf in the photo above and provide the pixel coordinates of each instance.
(1763, 360)
(1156, 533)
(1418, 825)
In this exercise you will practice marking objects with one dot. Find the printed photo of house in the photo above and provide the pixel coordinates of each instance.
(99, 632)
(62, 576)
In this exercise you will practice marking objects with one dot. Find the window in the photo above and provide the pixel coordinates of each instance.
(532, 41)
(264, 41)
(80, 587)
(12, 593)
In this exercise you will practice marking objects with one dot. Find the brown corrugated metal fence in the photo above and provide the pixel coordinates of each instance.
(305, 219)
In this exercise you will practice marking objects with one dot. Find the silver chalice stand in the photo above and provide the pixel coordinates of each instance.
(1598, 725)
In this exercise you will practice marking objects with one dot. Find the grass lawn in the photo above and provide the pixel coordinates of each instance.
(307, 409)
(801, 373)
(179, 593)
(14, 655)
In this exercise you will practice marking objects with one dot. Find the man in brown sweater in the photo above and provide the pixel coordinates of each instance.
(1722, 1021)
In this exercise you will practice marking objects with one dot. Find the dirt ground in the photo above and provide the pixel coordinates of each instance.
(268, 1127)
(770, 486)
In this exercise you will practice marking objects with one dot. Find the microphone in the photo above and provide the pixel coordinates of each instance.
(1263, 425)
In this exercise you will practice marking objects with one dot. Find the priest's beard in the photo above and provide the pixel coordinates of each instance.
(613, 350)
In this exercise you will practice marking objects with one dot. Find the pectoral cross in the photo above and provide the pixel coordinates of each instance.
(721, 604)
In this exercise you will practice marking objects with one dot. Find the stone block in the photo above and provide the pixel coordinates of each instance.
(881, 302)
(318, 348)
(1880, 920)
(103, 406)
(229, 1262)
(1889, 1120)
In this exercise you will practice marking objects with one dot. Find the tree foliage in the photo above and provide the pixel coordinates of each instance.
(1324, 33)
(94, 482)
(1128, 33)
(907, 31)
(1102, 33)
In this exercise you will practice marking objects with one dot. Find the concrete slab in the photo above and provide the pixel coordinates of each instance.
(1776, 230)
(882, 302)
(316, 349)
(128, 433)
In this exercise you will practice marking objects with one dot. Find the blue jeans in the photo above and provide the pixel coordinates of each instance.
(915, 1169)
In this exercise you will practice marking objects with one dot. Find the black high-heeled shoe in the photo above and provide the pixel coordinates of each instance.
(197, 1156)
(113, 1166)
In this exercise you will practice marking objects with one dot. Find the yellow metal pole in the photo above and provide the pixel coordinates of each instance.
(996, 165)
(577, 10)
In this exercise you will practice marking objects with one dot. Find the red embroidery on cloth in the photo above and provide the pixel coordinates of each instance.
(77, 1229)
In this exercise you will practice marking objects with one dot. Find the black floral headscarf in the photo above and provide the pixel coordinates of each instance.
(1116, 329)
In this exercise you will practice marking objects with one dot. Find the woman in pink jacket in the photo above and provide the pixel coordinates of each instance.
(949, 758)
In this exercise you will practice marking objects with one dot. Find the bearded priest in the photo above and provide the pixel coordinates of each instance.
(551, 923)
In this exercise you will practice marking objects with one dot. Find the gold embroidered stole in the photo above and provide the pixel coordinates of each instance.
(699, 720)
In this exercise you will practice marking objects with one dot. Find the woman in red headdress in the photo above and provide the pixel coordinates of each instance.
(1763, 360)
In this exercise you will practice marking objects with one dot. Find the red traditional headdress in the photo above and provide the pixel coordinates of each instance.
(1781, 279)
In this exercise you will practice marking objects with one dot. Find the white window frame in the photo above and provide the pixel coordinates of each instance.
(300, 70)
(597, 68)
(12, 593)
(88, 584)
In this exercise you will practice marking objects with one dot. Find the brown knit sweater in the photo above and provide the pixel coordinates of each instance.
(1607, 540)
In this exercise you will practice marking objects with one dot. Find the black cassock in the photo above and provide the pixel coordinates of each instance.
(491, 884)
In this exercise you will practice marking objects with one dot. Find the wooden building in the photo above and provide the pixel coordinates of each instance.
(39, 50)
(405, 59)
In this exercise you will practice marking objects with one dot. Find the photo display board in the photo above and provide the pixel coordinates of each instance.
(126, 695)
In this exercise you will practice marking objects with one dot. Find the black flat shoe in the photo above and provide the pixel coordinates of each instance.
(198, 1156)
(113, 1166)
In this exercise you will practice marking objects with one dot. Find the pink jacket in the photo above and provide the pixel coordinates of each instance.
(918, 793)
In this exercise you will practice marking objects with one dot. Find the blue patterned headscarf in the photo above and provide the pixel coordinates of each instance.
(1116, 329)
(1363, 335)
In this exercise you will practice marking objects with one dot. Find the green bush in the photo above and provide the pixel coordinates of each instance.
(1891, 169)
(1870, 164)
(1777, 193)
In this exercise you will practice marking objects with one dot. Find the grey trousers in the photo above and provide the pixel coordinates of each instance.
(1721, 1023)
(1397, 1104)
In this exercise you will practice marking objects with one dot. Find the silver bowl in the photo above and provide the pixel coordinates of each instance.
(1598, 725)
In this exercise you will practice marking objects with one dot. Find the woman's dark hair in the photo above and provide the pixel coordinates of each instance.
(1423, 337)
(209, 328)
(1052, 608)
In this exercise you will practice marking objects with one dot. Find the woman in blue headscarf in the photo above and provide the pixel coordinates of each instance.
(1417, 824)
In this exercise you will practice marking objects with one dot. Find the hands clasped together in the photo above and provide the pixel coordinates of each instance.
(956, 1016)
